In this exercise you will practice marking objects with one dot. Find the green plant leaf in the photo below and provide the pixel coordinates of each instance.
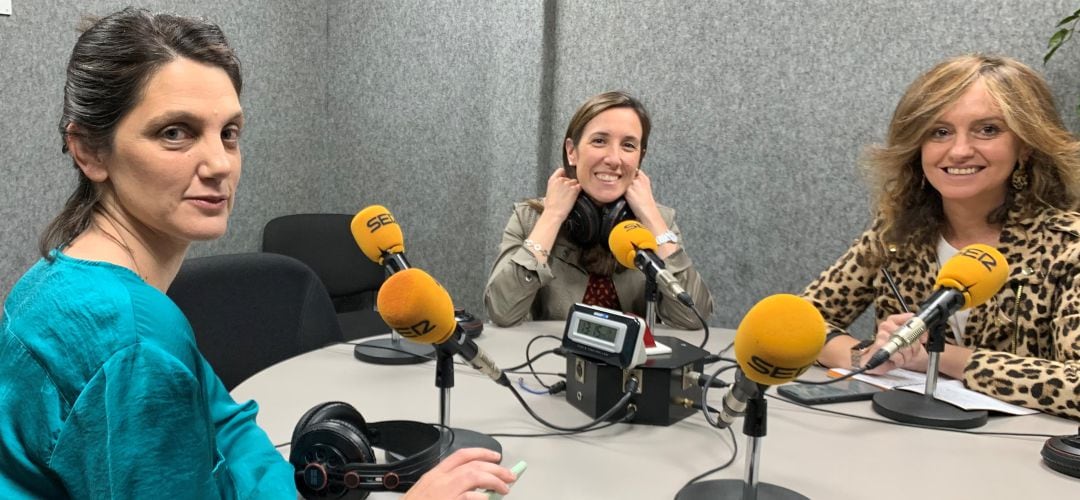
(1050, 53)
(1058, 38)
(1067, 20)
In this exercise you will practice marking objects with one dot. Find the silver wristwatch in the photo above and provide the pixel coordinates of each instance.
(667, 237)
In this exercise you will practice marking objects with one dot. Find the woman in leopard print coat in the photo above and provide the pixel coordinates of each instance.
(976, 153)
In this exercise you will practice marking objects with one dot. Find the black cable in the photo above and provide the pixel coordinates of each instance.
(705, 392)
(510, 370)
(905, 424)
(532, 370)
(520, 372)
(701, 379)
(704, 325)
(557, 387)
(631, 387)
(734, 454)
(629, 416)
(526, 363)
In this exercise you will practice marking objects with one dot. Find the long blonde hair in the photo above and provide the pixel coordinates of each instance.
(910, 208)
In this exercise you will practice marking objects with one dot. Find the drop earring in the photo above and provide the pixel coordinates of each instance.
(1019, 178)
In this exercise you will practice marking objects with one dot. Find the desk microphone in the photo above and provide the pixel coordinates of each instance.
(635, 246)
(420, 309)
(968, 279)
(379, 237)
(777, 340)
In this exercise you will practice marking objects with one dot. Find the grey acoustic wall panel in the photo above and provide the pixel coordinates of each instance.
(435, 115)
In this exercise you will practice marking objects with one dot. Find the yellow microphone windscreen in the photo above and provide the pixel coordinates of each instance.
(627, 238)
(778, 339)
(978, 272)
(376, 232)
(417, 307)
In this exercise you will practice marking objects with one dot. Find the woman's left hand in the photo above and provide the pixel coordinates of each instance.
(640, 198)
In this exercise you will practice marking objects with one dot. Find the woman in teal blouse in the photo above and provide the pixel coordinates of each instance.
(103, 393)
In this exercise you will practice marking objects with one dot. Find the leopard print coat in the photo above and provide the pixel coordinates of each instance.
(1026, 338)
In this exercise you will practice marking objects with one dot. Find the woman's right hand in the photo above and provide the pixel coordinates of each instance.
(460, 475)
(562, 192)
(912, 357)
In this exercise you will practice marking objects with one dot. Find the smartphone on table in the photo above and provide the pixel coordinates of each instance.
(837, 392)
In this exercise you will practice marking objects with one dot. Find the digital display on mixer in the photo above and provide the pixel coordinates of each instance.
(597, 331)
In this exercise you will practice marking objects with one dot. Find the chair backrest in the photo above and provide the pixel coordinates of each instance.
(324, 242)
(249, 311)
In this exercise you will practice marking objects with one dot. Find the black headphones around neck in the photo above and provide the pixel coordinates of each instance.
(588, 225)
(332, 452)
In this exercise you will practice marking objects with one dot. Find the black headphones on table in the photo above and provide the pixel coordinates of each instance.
(333, 456)
(588, 225)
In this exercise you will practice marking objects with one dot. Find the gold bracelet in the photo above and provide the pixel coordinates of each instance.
(536, 248)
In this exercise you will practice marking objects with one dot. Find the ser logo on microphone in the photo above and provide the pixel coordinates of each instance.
(768, 369)
(383, 219)
(418, 330)
(982, 257)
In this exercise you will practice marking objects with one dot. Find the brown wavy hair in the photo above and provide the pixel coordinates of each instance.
(909, 207)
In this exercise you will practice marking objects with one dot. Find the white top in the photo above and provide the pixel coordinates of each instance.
(958, 321)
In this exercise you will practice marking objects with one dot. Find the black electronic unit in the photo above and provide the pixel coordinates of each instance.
(605, 335)
(665, 392)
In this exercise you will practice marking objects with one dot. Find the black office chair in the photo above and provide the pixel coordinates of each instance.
(324, 242)
(252, 310)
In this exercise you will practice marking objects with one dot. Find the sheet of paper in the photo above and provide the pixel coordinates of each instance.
(954, 392)
(949, 390)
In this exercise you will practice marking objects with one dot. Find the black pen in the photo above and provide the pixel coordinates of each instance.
(895, 291)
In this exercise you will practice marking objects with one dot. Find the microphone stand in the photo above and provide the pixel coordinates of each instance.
(925, 409)
(652, 296)
(749, 488)
(393, 351)
(444, 380)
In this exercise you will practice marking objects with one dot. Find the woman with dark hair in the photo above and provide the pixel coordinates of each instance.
(976, 153)
(554, 251)
(103, 393)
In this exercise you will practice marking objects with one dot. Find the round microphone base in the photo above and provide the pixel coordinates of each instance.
(913, 408)
(733, 489)
(393, 351)
(464, 438)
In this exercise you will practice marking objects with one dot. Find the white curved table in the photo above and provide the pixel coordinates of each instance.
(816, 454)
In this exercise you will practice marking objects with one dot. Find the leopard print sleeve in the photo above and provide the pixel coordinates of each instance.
(843, 291)
(1050, 385)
